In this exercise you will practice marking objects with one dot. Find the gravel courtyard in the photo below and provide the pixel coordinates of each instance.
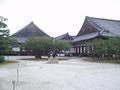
(72, 74)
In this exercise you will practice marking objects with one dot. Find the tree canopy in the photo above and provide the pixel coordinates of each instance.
(5, 41)
(60, 45)
(4, 32)
(108, 46)
(44, 45)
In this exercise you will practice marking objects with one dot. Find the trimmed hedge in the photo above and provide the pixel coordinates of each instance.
(2, 59)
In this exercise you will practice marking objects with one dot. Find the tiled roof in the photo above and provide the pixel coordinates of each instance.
(94, 27)
(86, 37)
(30, 30)
(112, 26)
(65, 36)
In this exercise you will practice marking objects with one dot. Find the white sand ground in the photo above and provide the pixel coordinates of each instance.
(72, 74)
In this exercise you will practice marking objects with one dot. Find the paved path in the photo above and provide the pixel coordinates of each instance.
(72, 74)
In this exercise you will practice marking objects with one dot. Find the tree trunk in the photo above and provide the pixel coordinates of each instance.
(38, 56)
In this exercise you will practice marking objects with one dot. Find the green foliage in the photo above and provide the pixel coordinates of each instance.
(5, 45)
(4, 32)
(38, 44)
(106, 46)
(113, 45)
(100, 46)
(60, 45)
(2, 59)
(45, 45)
(5, 42)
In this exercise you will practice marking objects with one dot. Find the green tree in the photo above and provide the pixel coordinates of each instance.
(110, 46)
(4, 36)
(61, 45)
(113, 46)
(99, 46)
(4, 32)
(40, 46)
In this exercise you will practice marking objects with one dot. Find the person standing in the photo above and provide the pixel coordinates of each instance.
(54, 54)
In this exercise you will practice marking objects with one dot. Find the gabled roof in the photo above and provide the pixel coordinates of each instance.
(99, 24)
(31, 30)
(65, 37)
(102, 27)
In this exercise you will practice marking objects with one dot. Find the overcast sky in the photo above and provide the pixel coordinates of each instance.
(56, 17)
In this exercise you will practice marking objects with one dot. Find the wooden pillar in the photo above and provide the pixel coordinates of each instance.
(79, 50)
(86, 49)
(76, 49)
(82, 50)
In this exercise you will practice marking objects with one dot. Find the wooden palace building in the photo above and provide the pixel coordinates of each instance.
(91, 29)
(29, 31)
(65, 37)
(94, 28)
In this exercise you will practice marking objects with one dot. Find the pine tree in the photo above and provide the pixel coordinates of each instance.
(4, 35)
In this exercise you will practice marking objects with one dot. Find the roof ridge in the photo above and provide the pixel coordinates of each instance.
(31, 23)
(103, 19)
(39, 28)
(63, 35)
(92, 22)
(23, 28)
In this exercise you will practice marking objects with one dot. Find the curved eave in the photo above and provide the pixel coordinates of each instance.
(86, 37)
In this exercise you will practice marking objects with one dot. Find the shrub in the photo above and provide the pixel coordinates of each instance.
(109, 47)
(2, 59)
